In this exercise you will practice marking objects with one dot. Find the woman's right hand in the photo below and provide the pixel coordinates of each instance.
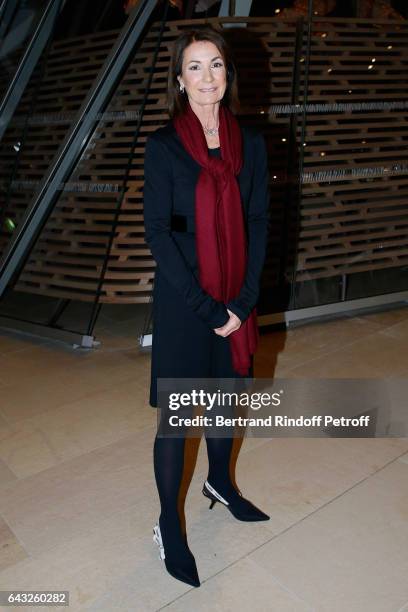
(230, 326)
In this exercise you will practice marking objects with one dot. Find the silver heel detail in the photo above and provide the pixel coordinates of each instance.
(210, 492)
(158, 539)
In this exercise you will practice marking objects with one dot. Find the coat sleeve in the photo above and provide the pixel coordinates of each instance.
(258, 220)
(157, 197)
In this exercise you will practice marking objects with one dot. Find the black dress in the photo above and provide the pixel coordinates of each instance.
(184, 344)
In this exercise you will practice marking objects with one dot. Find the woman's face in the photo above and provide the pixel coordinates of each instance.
(203, 73)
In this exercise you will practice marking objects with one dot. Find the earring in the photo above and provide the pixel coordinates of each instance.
(181, 88)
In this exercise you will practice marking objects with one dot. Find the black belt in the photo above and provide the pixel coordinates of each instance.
(183, 223)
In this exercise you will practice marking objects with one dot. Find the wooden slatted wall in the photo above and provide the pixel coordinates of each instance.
(354, 216)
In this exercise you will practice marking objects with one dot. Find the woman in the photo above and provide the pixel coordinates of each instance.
(206, 216)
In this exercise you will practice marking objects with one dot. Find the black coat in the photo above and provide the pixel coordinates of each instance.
(184, 344)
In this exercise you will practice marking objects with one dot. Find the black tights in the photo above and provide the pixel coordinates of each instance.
(168, 455)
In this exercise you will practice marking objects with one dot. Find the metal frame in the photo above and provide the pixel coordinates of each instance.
(76, 339)
(96, 303)
(336, 309)
(305, 90)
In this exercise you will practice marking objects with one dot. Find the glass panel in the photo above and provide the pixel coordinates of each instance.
(66, 262)
(353, 216)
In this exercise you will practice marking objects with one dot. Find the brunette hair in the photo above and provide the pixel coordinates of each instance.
(177, 101)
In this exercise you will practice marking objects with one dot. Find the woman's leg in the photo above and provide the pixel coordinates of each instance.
(219, 448)
(168, 459)
(220, 482)
(168, 462)
(219, 455)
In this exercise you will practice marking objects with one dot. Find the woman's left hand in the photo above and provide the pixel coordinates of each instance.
(230, 326)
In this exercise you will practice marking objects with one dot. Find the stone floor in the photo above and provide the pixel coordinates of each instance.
(78, 498)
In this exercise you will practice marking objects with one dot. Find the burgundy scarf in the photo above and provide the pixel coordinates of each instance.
(220, 232)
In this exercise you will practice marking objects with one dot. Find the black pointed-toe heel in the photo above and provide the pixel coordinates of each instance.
(241, 508)
(179, 561)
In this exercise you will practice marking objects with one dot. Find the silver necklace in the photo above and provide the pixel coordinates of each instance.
(211, 131)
